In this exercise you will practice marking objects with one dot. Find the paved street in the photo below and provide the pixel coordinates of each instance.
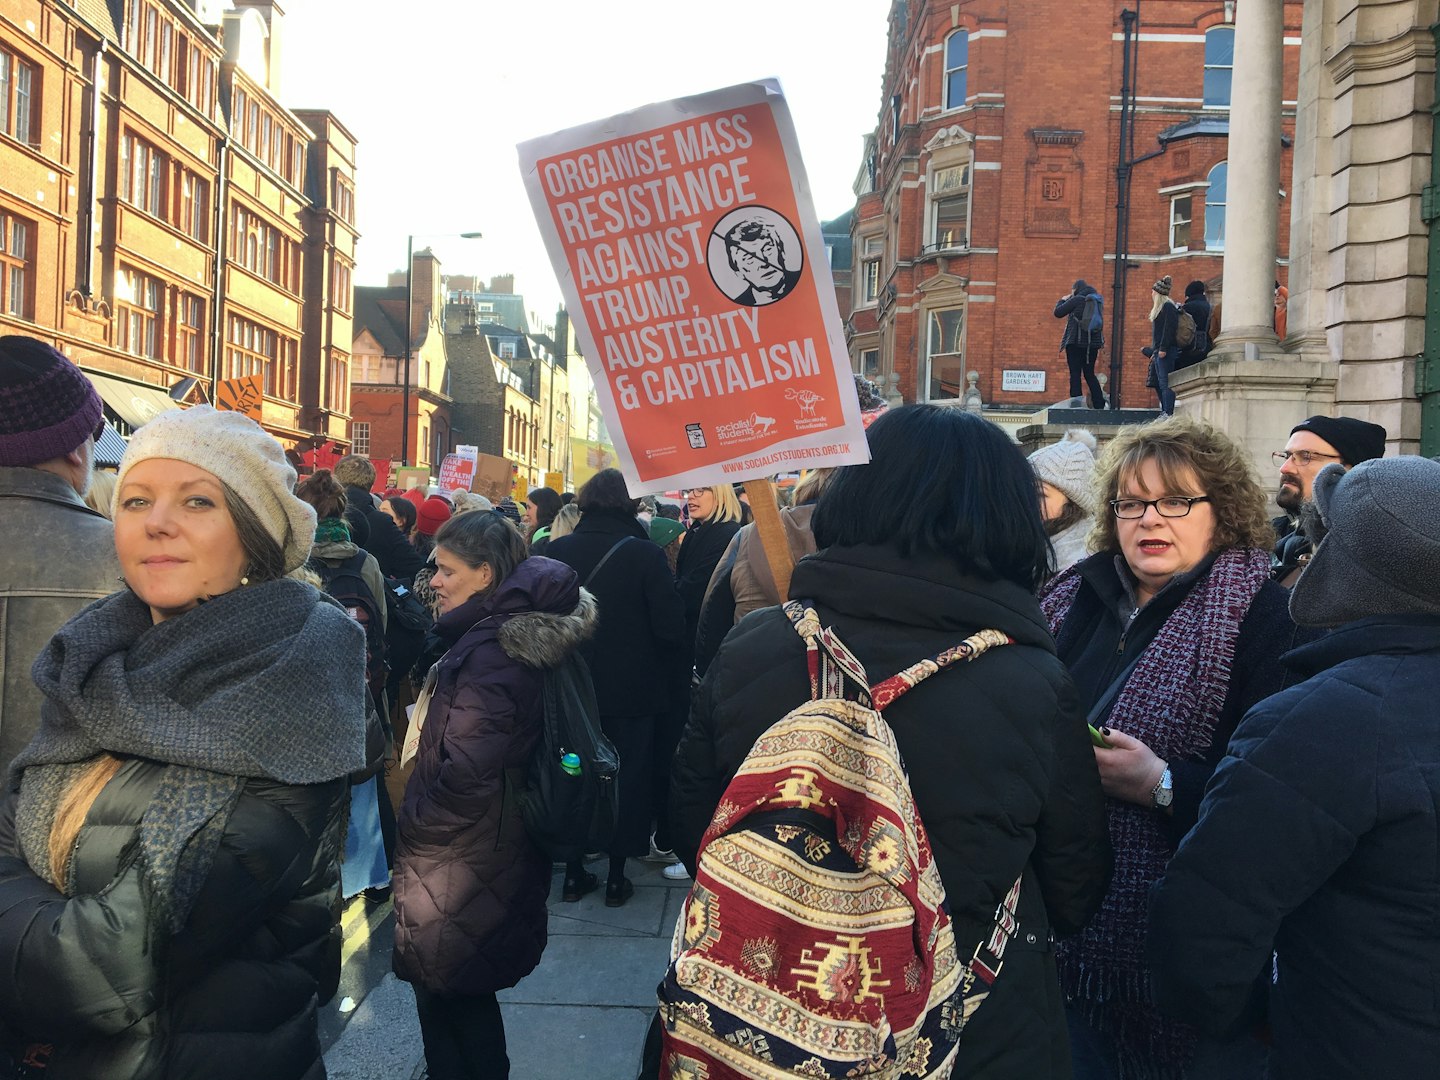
(582, 1013)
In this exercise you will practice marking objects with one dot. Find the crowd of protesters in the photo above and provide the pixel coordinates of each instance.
(1210, 756)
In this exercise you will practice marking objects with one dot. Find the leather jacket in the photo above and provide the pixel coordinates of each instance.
(56, 556)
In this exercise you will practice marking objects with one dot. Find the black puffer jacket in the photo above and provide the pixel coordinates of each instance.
(998, 756)
(1319, 838)
(233, 995)
(469, 884)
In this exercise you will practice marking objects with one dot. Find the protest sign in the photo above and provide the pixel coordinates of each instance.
(692, 264)
(243, 395)
(411, 476)
(456, 473)
(493, 477)
(555, 482)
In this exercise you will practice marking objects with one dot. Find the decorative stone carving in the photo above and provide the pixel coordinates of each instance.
(1054, 179)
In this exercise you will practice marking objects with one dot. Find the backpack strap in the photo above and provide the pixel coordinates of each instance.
(834, 669)
(976, 645)
(606, 558)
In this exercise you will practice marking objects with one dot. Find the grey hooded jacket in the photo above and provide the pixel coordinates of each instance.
(56, 555)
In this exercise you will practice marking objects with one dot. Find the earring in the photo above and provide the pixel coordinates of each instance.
(245, 581)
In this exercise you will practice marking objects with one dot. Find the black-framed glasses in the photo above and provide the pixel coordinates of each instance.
(1171, 506)
(1300, 457)
(685, 493)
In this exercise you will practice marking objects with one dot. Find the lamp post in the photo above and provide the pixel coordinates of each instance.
(409, 318)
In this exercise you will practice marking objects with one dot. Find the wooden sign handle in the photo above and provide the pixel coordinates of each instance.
(766, 509)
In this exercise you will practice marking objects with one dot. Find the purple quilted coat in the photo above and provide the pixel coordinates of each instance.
(469, 885)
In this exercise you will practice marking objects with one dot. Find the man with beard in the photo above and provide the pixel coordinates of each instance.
(1314, 444)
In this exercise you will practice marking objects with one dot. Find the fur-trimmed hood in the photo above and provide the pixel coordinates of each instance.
(544, 639)
(540, 614)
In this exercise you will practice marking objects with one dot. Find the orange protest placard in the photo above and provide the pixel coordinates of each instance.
(692, 264)
(243, 395)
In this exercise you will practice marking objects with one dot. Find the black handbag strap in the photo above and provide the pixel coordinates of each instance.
(606, 558)
(1103, 703)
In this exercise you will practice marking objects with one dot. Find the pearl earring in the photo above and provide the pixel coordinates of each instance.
(244, 581)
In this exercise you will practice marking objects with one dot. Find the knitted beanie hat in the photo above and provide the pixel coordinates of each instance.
(47, 405)
(241, 455)
(1381, 553)
(1163, 286)
(433, 513)
(1354, 440)
(1070, 466)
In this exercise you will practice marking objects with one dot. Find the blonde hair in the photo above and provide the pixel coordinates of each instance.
(727, 504)
(1223, 470)
(100, 495)
(812, 487)
(565, 521)
(1159, 302)
(70, 814)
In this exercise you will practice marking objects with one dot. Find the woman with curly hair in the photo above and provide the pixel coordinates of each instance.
(1171, 631)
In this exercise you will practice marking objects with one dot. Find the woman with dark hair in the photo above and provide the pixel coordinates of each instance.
(937, 538)
(641, 622)
(541, 506)
(170, 842)
(1172, 630)
(401, 511)
(469, 883)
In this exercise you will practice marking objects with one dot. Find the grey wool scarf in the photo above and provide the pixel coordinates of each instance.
(264, 682)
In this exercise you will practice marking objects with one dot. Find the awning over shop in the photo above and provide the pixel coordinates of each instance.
(109, 448)
(133, 403)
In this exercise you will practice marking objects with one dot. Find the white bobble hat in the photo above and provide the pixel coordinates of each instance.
(1069, 465)
(241, 455)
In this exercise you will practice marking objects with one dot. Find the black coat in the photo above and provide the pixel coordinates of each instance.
(1073, 312)
(469, 883)
(372, 529)
(1319, 837)
(233, 996)
(642, 621)
(699, 554)
(998, 757)
(1199, 309)
(1087, 642)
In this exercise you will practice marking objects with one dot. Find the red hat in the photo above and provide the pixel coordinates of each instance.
(433, 513)
(416, 495)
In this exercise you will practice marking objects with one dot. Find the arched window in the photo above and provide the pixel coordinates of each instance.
(1215, 208)
(957, 66)
(1219, 64)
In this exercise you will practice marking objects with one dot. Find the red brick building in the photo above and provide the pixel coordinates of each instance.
(167, 222)
(990, 185)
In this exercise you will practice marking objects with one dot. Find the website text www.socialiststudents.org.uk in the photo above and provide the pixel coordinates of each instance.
(749, 465)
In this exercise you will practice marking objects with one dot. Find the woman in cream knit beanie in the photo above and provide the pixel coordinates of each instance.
(248, 461)
(1066, 471)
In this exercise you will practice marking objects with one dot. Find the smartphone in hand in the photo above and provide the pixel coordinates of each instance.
(1097, 738)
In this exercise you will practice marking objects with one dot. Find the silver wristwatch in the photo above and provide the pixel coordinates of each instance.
(1163, 792)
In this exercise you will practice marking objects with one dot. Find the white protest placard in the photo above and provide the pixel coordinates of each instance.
(692, 264)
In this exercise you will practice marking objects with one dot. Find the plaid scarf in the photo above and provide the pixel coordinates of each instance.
(1171, 702)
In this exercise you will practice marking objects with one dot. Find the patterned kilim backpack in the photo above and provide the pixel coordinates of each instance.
(815, 940)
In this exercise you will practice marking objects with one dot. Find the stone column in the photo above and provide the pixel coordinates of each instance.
(1253, 188)
(1310, 190)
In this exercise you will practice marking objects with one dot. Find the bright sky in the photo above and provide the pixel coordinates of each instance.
(438, 93)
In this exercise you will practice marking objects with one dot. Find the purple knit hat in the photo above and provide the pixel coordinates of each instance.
(47, 405)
